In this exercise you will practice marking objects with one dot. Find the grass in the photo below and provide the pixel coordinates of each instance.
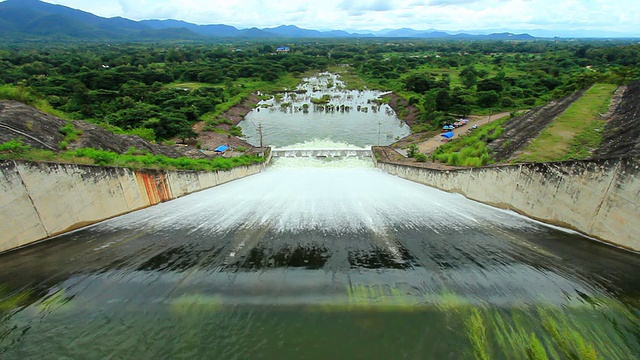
(477, 335)
(70, 133)
(352, 80)
(187, 85)
(548, 332)
(573, 135)
(16, 150)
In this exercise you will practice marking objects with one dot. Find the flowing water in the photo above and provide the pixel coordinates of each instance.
(317, 259)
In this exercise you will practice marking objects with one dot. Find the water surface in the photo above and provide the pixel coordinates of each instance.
(317, 259)
(351, 116)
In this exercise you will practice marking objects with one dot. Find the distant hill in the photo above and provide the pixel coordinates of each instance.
(205, 30)
(21, 19)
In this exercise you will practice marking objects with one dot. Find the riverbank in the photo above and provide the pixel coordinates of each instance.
(211, 139)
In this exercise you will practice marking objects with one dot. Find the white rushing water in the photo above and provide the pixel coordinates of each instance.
(341, 195)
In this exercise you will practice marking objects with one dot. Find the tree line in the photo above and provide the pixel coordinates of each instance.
(161, 89)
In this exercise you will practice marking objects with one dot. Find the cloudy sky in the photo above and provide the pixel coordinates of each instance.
(621, 16)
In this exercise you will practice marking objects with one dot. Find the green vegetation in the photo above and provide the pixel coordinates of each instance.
(438, 79)
(477, 335)
(134, 159)
(23, 95)
(322, 100)
(412, 150)
(420, 157)
(600, 330)
(11, 301)
(70, 133)
(470, 149)
(161, 88)
(167, 87)
(350, 77)
(158, 91)
(548, 332)
(573, 135)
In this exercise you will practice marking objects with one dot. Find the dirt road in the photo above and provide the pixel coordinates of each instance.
(429, 145)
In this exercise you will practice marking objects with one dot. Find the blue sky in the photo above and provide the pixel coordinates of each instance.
(603, 16)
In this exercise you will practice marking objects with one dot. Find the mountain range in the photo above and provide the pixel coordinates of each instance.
(34, 19)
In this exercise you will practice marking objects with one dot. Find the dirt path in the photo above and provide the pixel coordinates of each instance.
(428, 146)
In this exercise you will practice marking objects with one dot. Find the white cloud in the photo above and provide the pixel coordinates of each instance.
(364, 5)
(619, 15)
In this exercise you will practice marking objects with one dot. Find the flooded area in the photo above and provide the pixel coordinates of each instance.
(320, 258)
(348, 116)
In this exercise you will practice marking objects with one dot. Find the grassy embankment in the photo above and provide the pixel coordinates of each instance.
(16, 150)
(575, 133)
(133, 159)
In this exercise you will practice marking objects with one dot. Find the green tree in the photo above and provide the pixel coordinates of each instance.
(489, 85)
(469, 77)
(419, 83)
(487, 99)
(443, 100)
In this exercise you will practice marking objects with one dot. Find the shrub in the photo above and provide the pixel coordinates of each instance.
(14, 147)
(454, 159)
(474, 162)
(235, 131)
(420, 157)
(321, 101)
(17, 93)
(70, 132)
(412, 150)
(99, 157)
(144, 133)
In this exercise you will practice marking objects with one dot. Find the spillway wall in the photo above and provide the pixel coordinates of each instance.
(600, 198)
(40, 200)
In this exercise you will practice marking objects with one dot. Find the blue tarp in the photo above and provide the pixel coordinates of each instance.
(448, 134)
(221, 148)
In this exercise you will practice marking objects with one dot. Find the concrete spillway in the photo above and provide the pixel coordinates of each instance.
(311, 258)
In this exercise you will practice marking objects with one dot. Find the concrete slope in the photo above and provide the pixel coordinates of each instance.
(521, 130)
(622, 133)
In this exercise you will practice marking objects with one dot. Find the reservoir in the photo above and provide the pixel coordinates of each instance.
(350, 116)
(316, 259)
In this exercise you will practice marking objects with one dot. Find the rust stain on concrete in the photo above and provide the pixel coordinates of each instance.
(155, 185)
